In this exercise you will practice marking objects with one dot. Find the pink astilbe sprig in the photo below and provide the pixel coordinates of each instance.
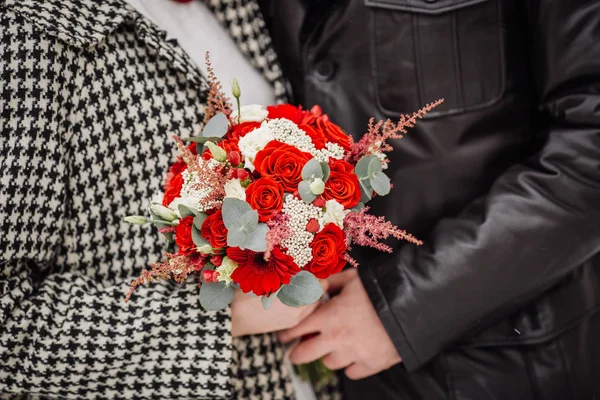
(217, 101)
(175, 266)
(279, 231)
(211, 178)
(369, 230)
(378, 134)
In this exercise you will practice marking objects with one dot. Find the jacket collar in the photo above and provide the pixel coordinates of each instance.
(85, 24)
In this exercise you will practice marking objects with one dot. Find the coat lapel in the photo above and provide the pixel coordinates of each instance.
(247, 27)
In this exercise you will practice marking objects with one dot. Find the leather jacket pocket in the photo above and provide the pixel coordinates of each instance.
(423, 50)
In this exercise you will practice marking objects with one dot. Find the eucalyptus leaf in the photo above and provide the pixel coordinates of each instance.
(217, 126)
(362, 167)
(305, 193)
(380, 183)
(257, 240)
(366, 189)
(312, 169)
(197, 237)
(186, 211)
(202, 139)
(374, 167)
(266, 301)
(249, 221)
(233, 209)
(303, 289)
(199, 220)
(215, 296)
(358, 207)
(236, 238)
(326, 171)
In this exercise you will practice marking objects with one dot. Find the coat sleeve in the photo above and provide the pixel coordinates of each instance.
(539, 221)
(62, 332)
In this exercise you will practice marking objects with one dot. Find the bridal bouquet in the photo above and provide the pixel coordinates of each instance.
(269, 200)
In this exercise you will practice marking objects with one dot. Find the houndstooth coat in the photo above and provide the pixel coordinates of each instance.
(90, 94)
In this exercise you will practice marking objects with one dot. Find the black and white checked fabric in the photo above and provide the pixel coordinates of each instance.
(90, 93)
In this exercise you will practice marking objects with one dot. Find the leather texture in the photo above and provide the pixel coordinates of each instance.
(502, 183)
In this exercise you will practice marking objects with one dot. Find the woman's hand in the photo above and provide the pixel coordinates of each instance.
(249, 318)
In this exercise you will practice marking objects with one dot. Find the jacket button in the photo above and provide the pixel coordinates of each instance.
(325, 70)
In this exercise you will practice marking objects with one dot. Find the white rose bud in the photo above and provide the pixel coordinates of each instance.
(233, 188)
(226, 269)
(136, 219)
(189, 202)
(205, 249)
(217, 152)
(317, 186)
(250, 113)
(163, 212)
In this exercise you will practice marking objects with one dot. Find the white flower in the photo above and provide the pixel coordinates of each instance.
(317, 186)
(233, 188)
(250, 113)
(334, 213)
(163, 212)
(189, 202)
(255, 141)
(226, 269)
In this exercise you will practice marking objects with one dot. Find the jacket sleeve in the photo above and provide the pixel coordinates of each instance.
(64, 333)
(539, 221)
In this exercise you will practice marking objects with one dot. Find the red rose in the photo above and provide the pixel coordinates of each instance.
(342, 185)
(183, 236)
(236, 132)
(213, 230)
(260, 276)
(282, 163)
(172, 188)
(334, 133)
(315, 135)
(328, 248)
(287, 111)
(174, 180)
(265, 196)
(228, 145)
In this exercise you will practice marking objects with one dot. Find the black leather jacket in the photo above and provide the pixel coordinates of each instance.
(502, 183)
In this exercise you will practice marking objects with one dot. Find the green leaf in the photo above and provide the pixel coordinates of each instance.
(366, 189)
(257, 240)
(266, 301)
(312, 169)
(233, 209)
(358, 207)
(202, 139)
(302, 290)
(186, 211)
(362, 167)
(236, 238)
(215, 296)
(326, 171)
(305, 193)
(249, 221)
(197, 237)
(216, 126)
(374, 167)
(199, 220)
(380, 183)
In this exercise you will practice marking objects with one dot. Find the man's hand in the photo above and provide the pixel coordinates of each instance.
(350, 334)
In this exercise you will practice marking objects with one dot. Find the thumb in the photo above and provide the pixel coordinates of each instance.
(338, 281)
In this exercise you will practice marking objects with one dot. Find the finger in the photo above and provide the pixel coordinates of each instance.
(337, 360)
(311, 324)
(311, 349)
(338, 281)
(358, 371)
